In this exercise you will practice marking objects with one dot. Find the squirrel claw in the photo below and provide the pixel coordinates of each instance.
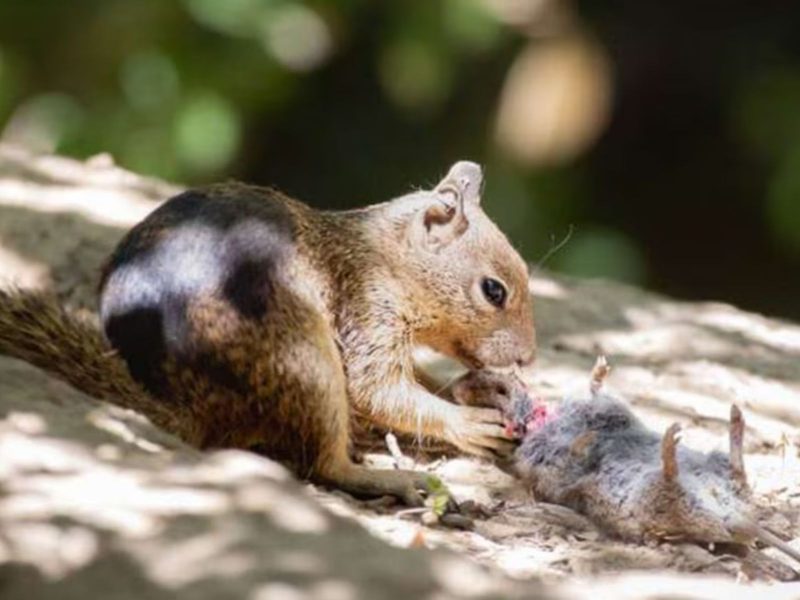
(478, 431)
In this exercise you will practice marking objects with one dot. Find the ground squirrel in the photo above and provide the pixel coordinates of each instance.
(253, 320)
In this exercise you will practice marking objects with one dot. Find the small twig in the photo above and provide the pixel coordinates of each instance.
(411, 511)
(398, 458)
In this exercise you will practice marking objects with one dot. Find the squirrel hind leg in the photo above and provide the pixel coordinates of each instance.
(334, 464)
(362, 481)
(312, 394)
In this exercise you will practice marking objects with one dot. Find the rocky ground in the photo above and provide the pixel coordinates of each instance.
(96, 501)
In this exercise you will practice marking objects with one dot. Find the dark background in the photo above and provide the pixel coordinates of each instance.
(665, 135)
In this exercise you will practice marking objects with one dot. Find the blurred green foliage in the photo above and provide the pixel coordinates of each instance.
(343, 102)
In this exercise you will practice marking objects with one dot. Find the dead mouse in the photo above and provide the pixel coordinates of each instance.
(595, 456)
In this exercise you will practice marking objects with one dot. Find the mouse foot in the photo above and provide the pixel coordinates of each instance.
(669, 445)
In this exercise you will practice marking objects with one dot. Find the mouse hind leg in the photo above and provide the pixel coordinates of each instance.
(736, 452)
(669, 446)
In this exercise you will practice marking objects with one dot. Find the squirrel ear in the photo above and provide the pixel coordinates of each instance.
(444, 221)
(440, 223)
(464, 181)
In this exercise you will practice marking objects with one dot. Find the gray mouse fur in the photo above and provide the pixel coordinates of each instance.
(596, 457)
(592, 454)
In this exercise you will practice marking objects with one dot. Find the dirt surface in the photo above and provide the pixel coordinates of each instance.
(94, 499)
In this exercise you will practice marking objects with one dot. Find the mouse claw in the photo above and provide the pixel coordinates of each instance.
(600, 371)
(736, 446)
(669, 445)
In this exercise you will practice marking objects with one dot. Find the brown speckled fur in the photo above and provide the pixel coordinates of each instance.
(346, 295)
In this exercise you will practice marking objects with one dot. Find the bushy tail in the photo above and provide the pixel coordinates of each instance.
(34, 327)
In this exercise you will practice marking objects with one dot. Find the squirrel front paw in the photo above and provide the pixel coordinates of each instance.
(479, 431)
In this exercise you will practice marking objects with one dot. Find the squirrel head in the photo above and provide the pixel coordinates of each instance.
(471, 295)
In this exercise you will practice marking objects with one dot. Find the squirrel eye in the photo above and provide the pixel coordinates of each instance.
(494, 291)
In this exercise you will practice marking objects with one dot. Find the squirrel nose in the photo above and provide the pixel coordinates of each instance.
(527, 359)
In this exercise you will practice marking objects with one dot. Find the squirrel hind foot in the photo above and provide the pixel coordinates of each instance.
(364, 482)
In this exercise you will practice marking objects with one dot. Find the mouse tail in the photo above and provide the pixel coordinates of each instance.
(745, 531)
(769, 538)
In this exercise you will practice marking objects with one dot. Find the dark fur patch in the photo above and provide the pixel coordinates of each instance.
(138, 336)
(249, 286)
(226, 240)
